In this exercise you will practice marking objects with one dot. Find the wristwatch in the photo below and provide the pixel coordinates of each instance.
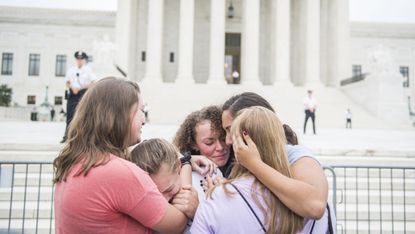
(187, 156)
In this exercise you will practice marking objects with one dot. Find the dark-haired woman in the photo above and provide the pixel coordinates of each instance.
(307, 191)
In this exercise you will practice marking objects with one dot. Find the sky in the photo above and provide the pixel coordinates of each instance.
(393, 11)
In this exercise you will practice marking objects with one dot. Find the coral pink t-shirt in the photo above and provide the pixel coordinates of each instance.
(117, 197)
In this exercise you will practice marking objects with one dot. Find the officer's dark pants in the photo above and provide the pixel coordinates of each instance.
(349, 123)
(71, 105)
(309, 114)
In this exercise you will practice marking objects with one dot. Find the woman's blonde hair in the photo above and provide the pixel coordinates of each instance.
(266, 130)
(149, 155)
(101, 126)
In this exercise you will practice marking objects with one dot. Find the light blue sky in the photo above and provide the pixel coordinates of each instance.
(394, 11)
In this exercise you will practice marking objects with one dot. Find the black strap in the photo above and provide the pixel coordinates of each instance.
(252, 210)
(330, 224)
(312, 227)
(331, 230)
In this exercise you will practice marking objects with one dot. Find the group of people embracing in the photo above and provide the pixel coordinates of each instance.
(234, 168)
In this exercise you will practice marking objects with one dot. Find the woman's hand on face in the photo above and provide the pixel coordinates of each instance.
(203, 165)
(186, 201)
(246, 152)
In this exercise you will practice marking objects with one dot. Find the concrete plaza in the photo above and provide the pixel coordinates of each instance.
(353, 144)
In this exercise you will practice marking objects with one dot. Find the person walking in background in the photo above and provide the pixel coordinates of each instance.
(52, 114)
(33, 114)
(235, 77)
(146, 112)
(348, 118)
(310, 104)
(78, 79)
(62, 115)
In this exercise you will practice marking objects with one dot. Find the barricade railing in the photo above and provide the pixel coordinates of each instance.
(26, 197)
(373, 199)
(369, 199)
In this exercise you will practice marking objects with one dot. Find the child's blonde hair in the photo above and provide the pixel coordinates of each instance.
(149, 155)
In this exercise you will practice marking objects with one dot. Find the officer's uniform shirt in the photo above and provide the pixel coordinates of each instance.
(310, 103)
(348, 115)
(83, 79)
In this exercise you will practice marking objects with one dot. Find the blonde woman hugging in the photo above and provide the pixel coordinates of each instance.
(242, 204)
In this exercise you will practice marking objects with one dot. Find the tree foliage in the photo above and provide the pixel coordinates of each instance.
(5, 95)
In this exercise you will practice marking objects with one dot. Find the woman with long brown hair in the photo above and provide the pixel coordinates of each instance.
(97, 189)
(242, 200)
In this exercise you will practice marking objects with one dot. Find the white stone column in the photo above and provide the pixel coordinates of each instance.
(250, 42)
(297, 41)
(185, 70)
(154, 42)
(312, 70)
(126, 36)
(325, 62)
(339, 42)
(217, 42)
(281, 12)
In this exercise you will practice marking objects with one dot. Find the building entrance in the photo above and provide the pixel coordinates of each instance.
(233, 58)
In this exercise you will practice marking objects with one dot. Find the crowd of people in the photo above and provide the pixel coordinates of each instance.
(234, 168)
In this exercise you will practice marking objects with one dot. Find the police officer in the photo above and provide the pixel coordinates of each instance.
(78, 79)
(310, 104)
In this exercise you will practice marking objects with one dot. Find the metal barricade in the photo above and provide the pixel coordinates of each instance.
(373, 199)
(26, 197)
(366, 199)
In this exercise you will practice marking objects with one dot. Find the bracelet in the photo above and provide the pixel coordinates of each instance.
(186, 158)
(186, 163)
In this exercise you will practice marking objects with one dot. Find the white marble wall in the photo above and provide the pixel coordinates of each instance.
(49, 33)
(399, 40)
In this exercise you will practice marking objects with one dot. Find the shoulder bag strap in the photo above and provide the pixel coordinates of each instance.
(252, 210)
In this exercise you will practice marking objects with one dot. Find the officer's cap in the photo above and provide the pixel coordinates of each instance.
(80, 55)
